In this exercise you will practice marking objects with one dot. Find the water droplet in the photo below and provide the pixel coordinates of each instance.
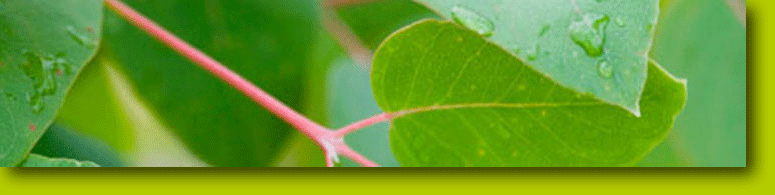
(473, 20)
(36, 102)
(589, 33)
(605, 69)
(503, 133)
(10, 96)
(533, 54)
(543, 30)
(42, 70)
(619, 22)
(649, 27)
(80, 39)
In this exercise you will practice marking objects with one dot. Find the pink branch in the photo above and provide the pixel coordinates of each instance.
(355, 156)
(329, 160)
(301, 123)
(322, 136)
(363, 123)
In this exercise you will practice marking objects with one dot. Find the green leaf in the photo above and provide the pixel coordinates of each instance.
(373, 21)
(62, 142)
(592, 46)
(35, 160)
(712, 129)
(267, 42)
(467, 102)
(43, 46)
(350, 100)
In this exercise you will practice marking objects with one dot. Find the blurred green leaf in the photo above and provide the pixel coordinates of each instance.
(62, 142)
(592, 46)
(373, 21)
(267, 42)
(93, 107)
(300, 151)
(35, 160)
(42, 53)
(701, 40)
(350, 100)
(467, 102)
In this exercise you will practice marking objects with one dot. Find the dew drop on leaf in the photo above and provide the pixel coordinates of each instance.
(589, 33)
(605, 69)
(80, 39)
(503, 133)
(619, 22)
(533, 54)
(10, 96)
(42, 70)
(473, 20)
(543, 30)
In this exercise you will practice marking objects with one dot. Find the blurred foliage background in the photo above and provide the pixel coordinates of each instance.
(138, 103)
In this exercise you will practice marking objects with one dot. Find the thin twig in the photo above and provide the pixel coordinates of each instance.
(347, 39)
(355, 156)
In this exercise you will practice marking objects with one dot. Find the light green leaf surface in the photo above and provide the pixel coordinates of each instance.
(267, 42)
(701, 40)
(43, 46)
(592, 46)
(350, 100)
(467, 102)
(35, 160)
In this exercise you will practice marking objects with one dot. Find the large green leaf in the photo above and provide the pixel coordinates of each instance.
(35, 160)
(702, 41)
(43, 46)
(350, 100)
(265, 41)
(467, 102)
(592, 46)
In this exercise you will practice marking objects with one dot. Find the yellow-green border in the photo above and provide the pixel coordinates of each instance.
(756, 177)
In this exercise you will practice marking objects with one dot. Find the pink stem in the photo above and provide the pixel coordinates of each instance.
(329, 160)
(306, 126)
(303, 124)
(363, 123)
(355, 156)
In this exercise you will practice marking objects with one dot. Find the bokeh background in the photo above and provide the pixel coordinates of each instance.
(125, 109)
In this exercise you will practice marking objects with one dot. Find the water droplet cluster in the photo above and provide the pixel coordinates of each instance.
(43, 71)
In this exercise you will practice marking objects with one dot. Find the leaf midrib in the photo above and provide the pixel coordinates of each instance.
(417, 110)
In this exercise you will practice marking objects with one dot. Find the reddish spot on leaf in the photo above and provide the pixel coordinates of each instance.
(32, 127)
(90, 29)
(59, 72)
